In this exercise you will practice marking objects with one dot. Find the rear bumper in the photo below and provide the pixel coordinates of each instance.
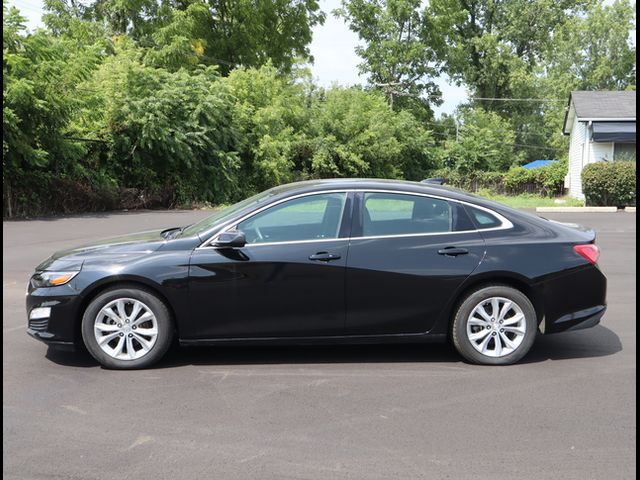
(580, 320)
(574, 300)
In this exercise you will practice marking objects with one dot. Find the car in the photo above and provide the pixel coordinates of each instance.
(326, 261)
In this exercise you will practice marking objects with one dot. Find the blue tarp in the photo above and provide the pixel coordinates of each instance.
(537, 163)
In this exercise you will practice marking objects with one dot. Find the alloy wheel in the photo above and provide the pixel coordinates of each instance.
(126, 329)
(496, 327)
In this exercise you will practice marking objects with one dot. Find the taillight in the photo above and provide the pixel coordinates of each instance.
(589, 251)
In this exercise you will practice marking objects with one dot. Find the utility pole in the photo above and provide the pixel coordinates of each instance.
(390, 91)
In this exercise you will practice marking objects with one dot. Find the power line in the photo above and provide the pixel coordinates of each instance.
(518, 99)
(25, 6)
(524, 145)
(446, 134)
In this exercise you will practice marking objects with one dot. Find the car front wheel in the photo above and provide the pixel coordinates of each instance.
(494, 325)
(127, 328)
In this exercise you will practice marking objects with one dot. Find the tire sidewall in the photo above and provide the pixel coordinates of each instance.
(157, 306)
(459, 328)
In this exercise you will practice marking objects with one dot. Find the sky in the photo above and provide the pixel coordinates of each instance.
(335, 61)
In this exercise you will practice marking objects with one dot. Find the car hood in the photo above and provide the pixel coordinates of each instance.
(120, 248)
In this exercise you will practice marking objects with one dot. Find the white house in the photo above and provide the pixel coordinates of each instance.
(601, 127)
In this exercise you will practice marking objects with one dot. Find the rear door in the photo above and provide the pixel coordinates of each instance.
(407, 256)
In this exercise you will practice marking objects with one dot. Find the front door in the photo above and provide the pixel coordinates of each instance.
(289, 279)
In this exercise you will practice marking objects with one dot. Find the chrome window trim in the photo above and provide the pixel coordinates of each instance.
(505, 222)
(294, 242)
(234, 222)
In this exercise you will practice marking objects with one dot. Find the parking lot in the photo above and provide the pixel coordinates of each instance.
(568, 411)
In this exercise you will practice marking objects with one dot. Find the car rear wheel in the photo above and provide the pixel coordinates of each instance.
(127, 328)
(494, 325)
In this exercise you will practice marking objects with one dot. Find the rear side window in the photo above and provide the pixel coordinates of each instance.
(401, 214)
(483, 219)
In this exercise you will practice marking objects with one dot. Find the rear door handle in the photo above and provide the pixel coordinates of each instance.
(453, 251)
(324, 256)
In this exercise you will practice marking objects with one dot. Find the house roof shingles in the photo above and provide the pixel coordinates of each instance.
(605, 105)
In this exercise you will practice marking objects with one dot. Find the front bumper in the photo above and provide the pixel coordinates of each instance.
(49, 339)
(61, 327)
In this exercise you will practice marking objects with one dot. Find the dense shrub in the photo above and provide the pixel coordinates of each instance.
(134, 135)
(547, 180)
(610, 183)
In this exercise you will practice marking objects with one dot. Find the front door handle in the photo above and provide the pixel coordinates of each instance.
(324, 256)
(453, 251)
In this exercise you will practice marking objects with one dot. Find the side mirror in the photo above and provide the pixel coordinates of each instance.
(235, 239)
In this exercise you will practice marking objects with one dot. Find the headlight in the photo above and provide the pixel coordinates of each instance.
(51, 279)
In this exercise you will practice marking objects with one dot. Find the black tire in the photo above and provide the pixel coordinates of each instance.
(459, 327)
(158, 308)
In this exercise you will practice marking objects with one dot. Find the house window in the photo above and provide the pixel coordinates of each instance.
(624, 151)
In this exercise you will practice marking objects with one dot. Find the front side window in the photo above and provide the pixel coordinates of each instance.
(401, 214)
(313, 217)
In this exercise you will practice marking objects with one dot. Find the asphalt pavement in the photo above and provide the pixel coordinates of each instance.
(568, 411)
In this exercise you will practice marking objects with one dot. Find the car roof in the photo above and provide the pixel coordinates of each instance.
(405, 186)
(372, 183)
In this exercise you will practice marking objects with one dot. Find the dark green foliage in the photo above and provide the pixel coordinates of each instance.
(143, 103)
(227, 33)
(138, 135)
(485, 142)
(398, 54)
(40, 77)
(170, 130)
(358, 135)
(546, 181)
(610, 183)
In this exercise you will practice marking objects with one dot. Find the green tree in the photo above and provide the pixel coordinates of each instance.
(271, 113)
(397, 54)
(135, 17)
(227, 33)
(40, 77)
(594, 52)
(485, 141)
(357, 134)
(291, 130)
(490, 45)
(167, 131)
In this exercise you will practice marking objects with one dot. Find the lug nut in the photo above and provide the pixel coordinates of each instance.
(501, 322)
(126, 321)
(502, 330)
(133, 328)
(130, 335)
(493, 319)
(119, 325)
(121, 334)
(493, 334)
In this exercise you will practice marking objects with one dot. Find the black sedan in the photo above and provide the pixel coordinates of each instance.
(339, 261)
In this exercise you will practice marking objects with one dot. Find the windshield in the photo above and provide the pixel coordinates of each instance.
(226, 213)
